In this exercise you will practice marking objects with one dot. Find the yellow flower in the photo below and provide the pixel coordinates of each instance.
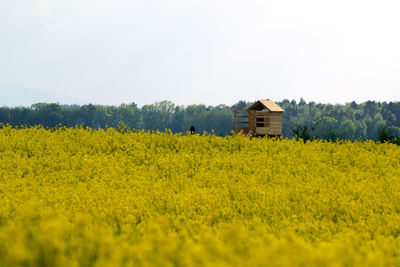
(78, 196)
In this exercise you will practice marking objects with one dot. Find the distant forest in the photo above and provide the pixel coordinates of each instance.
(368, 120)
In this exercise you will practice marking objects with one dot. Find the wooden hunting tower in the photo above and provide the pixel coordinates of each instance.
(263, 118)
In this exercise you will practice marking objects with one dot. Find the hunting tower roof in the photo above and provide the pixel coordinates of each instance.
(268, 104)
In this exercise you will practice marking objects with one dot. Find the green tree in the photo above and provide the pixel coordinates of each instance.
(326, 128)
(347, 130)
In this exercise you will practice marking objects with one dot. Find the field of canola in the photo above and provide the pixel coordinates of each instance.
(78, 197)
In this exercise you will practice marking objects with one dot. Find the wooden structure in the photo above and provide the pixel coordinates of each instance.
(263, 118)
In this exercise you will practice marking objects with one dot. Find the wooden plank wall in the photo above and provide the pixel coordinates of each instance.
(258, 122)
(270, 122)
(252, 120)
(241, 121)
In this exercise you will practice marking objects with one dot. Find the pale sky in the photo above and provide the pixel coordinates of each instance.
(206, 51)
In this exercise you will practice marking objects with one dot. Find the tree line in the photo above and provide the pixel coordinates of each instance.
(368, 120)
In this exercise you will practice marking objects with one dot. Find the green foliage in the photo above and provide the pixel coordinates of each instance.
(349, 121)
(302, 132)
(326, 128)
(390, 135)
(303, 120)
(347, 130)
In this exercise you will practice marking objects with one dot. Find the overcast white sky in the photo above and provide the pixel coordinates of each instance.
(205, 51)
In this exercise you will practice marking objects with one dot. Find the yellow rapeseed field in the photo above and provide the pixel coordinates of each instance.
(83, 197)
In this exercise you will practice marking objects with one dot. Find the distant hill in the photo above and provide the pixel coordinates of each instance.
(12, 96)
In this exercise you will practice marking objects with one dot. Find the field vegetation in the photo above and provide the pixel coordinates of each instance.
(83, 197)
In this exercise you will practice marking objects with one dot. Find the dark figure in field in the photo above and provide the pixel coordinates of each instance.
(192, 129)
